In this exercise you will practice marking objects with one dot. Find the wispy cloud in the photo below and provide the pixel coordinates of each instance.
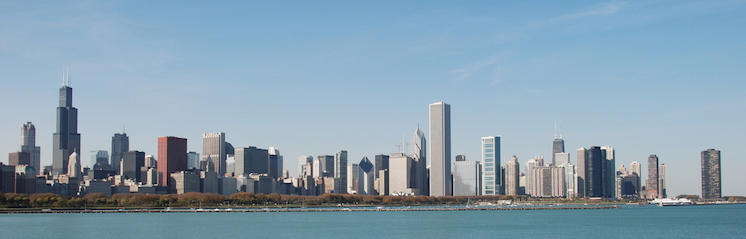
(464, 73)
(602, 10)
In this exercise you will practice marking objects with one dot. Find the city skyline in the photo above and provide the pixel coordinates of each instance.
(658, 70)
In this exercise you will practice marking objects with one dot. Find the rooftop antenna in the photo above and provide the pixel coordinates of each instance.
(560, 129)
(66, 77)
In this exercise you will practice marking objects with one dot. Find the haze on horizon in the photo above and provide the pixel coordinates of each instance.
(312, 78)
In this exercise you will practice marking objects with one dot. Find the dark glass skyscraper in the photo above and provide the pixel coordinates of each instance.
(711, 187)
(66, 139)
(558, 146)
(120, 143)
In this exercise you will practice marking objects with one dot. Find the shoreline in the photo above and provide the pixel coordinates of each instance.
(319, 209)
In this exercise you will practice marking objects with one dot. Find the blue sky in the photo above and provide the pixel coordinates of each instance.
(311, 78)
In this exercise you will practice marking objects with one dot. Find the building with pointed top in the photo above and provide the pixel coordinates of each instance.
(120, 143)
(419, 166)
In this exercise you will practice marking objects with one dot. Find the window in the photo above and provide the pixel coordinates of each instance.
(488, 155)
(488, 150)
(489, 178)
(488, 145)
(489, 183)
(488, 160)
(489, 164)
(488, 169)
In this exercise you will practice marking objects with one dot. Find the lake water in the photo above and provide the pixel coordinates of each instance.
(711, 221)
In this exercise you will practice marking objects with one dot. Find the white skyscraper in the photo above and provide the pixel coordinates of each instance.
(419, 154)
(73, 169)
(213, 148)
(491, 177)
(440, 149)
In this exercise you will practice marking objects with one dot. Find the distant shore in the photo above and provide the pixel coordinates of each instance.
(315, 209)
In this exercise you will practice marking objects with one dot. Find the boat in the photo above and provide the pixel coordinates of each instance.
(663, 202)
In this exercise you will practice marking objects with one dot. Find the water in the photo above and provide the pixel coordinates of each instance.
(722, 221)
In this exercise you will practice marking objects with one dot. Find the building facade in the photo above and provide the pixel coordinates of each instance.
(440, 149)
(66, 140)
(172, 157)
(466, 178)
(491, 177)
(120, 143)
(213, 148)
(711, 186)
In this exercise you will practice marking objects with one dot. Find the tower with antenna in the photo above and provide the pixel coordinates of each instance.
(66, 139)
(558, 145)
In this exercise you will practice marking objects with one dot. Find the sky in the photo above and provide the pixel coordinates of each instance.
(314, 77)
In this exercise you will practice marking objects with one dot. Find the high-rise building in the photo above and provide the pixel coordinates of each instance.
(558, 146)
(66, 139)
(302, 161)
(193, 160)
(353, 178)
(327, 165)
(547, 181)
(662, 180)
(570, 179)
(382, 163)
(512, 176)
(608, 172)
(652, 182)
(419, 155)
(440, 149)
(466, 178)
(73, 166)
(120, 143)
(213, 147)
(131, 165)
(172, 158)
(28, 144)
(532, 163)
(100, 159)
(400, 175)
(491, 178)
(340, 172)
(596, 173)
(711, 187)
(366, 177)
(275, 162)
(251, 160)
(582, 174)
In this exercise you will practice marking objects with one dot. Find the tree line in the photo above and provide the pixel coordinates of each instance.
(241, 199)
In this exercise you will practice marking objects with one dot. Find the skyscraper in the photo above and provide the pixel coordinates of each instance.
(558, 146)
(340, 172)
(193, 160)
(213, 148)
(711, 187)
(172, 157)
(28, 144)
(327, 165)
(366, 177)
(419, 154)
(440, 149)
(275, 162)
(131, 165)
(251, 160)
(512, 176)
(582, 173)
(609, 172)
(66, 139)
(491, 178)
(302, 161)
(120, 143)
(652, 182)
